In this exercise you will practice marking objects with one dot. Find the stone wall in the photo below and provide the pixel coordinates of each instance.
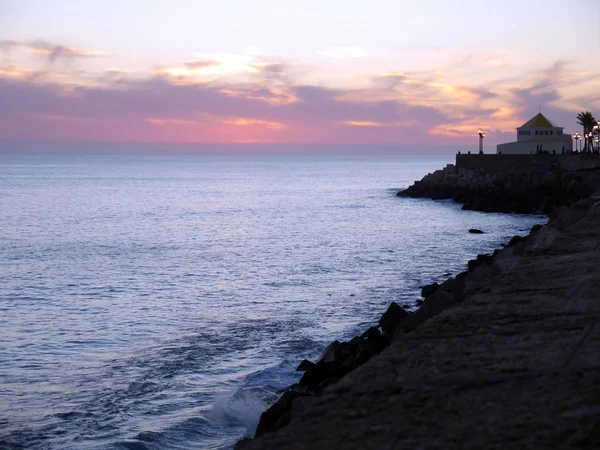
(530, 163)
(511, 183)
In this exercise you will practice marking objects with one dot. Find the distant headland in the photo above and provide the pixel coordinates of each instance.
(539, 172)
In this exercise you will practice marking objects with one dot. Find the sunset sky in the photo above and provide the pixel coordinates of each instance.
(324, 72)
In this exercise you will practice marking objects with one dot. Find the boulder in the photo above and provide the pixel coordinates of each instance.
(475, 231)
(242, 443)
(305, 365)
(515, 240)
(332, 352)
(472, 264)
(481, 259)
(268, 419)
(391, 318)
(534, 229)
(278, 414)
(313, 377)
(371, 332)
(429, 289)
(450, 293)
(356, 341)
(336, 360)
(370, 348)
(461, 276)
(485, 258)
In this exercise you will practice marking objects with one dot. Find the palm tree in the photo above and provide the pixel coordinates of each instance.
(587, 121)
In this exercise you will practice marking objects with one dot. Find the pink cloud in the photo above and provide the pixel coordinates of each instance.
(267, 106)
(50, 50)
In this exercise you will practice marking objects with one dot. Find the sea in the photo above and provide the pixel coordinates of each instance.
(161, 301)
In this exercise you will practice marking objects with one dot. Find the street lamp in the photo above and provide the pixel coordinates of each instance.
(577, 137)
(481, 136)
(588, 138)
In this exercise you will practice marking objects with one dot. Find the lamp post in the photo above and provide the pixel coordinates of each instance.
(587, 137)
(481, 136)
(577, 138)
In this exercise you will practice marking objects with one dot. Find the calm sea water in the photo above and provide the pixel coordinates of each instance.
(160, 302)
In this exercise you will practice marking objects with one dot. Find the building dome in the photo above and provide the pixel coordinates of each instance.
(539, 121)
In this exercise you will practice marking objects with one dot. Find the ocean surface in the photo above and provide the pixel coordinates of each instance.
(160, 302)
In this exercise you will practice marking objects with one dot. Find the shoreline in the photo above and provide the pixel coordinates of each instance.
(340, 362)
(339, 359)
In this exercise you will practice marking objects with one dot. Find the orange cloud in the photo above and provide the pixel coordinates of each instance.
(243, 122)
(250, 98)
(363, 123)
(15, 71)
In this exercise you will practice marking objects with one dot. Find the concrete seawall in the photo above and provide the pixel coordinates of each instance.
(528, 163)
(512, 183)
(511, 362)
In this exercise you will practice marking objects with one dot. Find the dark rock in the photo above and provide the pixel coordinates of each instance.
(268, 419)
(461, 276)
(429, 289)
(356, 340)
(284, 419)
(242, 443)
(331, 352)
(337, 360)
(313, 376)
(405, 306)
(485, 258)
(330, 380)
(475, 231)
(278, 415)
(520, 190)
(391, 318)
(481, 259)
(370, 333)
(515, 240)
(450, 293)
(419, 302)
(305, 365)
(534, 229)
(370, 348)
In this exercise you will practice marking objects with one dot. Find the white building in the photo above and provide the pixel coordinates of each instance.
(538, 134)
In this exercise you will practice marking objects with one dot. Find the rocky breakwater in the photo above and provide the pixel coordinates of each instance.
(503, 355)
(338, 359)
(509, 191)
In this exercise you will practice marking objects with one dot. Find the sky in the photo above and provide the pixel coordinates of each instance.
(400, 72)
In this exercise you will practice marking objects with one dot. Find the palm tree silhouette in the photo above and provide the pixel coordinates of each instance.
(587, 121)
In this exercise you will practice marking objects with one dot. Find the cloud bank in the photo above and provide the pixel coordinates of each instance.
(253, 98)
